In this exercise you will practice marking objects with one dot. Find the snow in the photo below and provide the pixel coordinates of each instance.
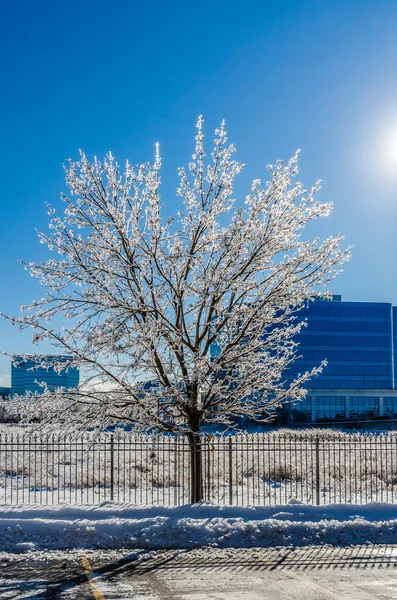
(256, 469)
(113, 525)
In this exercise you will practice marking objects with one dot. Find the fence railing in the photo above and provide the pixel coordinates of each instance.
(248, 469)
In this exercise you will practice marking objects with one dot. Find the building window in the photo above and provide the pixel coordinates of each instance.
(302, 411)
(364, 407)
(390, 406)
(329, 408)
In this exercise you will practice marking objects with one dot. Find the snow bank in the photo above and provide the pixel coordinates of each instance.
(110, 525)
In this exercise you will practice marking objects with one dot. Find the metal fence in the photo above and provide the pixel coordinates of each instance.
(250, 469)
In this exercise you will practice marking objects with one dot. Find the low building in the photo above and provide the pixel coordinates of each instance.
(5, 392)
(26, 377)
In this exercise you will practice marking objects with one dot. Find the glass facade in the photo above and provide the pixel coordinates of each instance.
(356, 339)
(330, 408)
(346, 409)
(302, 411)
(363, 407)
(26, 378)
(390, 406)
(395, 346)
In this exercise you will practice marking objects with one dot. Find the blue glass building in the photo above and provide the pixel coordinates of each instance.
(5, 392)
(26, 378)
(359, 342)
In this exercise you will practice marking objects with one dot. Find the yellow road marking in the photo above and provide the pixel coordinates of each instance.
(91, 579)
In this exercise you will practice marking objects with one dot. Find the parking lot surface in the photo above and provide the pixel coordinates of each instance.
(314, 572)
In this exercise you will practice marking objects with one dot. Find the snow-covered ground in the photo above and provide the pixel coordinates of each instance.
(258, 469)
(111, 525)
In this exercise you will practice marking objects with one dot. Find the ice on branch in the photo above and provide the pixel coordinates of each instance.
(178, 320)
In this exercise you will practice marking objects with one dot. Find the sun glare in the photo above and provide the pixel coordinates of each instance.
(388, 149)
(391, 148)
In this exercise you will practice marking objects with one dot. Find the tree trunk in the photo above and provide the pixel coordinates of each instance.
(196, 468)
(196, 460)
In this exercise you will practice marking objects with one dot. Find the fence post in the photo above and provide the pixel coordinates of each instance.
(176, 470)
(230, 471)
(111, 467)
(208, 468)
(317, 470)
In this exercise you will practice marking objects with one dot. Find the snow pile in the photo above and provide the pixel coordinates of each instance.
(112, 525)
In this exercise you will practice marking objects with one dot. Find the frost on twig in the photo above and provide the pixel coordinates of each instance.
(177, 320)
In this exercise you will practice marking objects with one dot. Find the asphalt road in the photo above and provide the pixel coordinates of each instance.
(311, 573)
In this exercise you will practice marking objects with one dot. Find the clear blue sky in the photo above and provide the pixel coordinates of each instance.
(320, 76)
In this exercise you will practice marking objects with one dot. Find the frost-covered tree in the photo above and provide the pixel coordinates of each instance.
(202, 304)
